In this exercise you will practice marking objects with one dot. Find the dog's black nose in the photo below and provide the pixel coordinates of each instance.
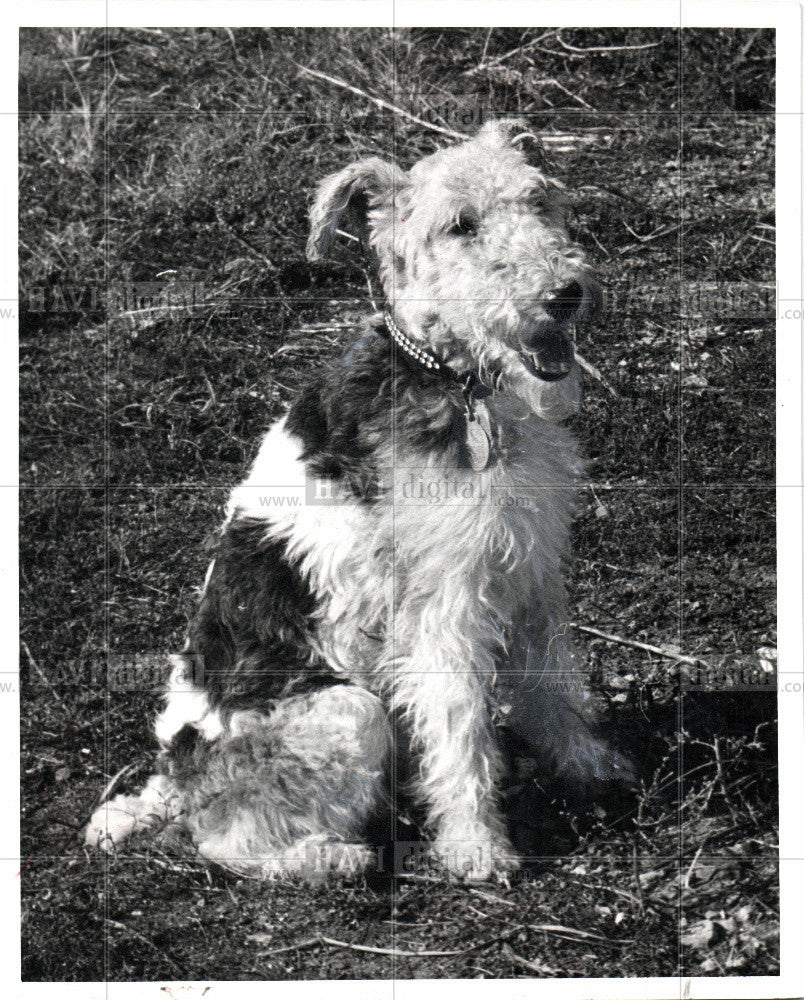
(566, 302)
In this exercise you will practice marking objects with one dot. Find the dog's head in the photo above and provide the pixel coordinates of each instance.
(474, 256)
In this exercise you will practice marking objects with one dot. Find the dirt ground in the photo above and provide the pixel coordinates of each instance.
(187, 158)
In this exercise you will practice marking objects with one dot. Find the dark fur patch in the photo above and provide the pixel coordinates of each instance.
(186, 755)
(376, 395)
(251, 633)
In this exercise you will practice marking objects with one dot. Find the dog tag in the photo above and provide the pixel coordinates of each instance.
(478, 435)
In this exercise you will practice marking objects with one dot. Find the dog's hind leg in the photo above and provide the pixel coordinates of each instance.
(289, 791)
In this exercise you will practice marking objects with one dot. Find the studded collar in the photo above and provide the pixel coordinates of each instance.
(469, 380)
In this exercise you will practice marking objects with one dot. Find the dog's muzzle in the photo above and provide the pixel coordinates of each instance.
(546, 350)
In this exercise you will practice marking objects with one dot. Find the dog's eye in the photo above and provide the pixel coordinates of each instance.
(466, 225)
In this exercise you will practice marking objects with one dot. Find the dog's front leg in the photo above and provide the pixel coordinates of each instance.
(446, 706)
(551, 707)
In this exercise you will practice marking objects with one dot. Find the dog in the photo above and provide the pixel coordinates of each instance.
(418, 584)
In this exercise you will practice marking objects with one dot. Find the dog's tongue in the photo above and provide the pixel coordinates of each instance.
(552, 352)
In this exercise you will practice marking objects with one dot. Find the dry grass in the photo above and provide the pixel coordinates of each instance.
(134, 423)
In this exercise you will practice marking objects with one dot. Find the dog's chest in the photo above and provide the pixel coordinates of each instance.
(506, 525)
(434, 530)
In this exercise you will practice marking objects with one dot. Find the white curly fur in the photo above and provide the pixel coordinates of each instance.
(457, 572)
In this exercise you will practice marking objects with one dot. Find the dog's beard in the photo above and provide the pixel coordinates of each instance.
(548, 400)
(496, 351)
(512, 370)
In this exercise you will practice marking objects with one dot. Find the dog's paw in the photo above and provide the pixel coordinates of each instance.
(618, 768)
(593, 765)
(111, 824)
(476, 855)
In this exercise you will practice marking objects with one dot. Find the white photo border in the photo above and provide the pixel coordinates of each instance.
(785, 17)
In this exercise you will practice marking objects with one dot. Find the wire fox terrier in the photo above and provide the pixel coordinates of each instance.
(417, 578)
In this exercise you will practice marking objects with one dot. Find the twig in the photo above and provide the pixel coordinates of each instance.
(395, 952)
(348, 236)
(661, 231)
(313, 329)
(318, 940)
(124, 771)
(490, 897)
(646, 647)
(573, 934)
(213, 399)
(486, 46)
(512, 52)
(604, 48)
(600, 245)
(460, 136)
(569, 93)
(610, 888)
(590, 369)
(161, 309)
(525, 963)
(747, 47)
(559, 930)
(688, 876)
(46, 680)
(637, 871)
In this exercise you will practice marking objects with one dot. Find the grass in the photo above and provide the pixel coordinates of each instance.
(190, 155)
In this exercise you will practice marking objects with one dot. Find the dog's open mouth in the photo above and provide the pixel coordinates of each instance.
(532, 365)
(546, 351)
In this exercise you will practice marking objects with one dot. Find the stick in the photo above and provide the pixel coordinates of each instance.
(590, 369)
(652, 236)
(604, 48)
(526, 963)
(320, 939)
(512, 52)
(380, 103)
(568, 932)
(574, 933)
(569, 93)
(490, 897)
(692, 866)
(610, 888)
(486, 46)
(317, 328)
(646, 647)
(125, 770)
(394, 952)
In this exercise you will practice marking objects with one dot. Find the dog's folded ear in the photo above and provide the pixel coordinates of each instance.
(514, 132)
(353, 191)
